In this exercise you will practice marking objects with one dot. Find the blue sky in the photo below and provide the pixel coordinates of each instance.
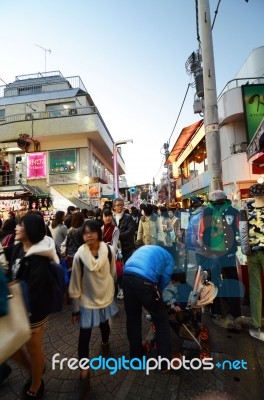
(131, 57)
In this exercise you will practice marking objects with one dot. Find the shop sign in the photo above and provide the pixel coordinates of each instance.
(62, 161)
(36, 165)
(253, 99)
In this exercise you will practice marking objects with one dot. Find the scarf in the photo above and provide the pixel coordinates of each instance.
(108, 230)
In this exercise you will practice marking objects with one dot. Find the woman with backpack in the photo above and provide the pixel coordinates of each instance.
(92, 289)
(29, 261)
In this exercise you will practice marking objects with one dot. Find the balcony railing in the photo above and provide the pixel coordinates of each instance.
(15, 176)
(235, 83)
(41, 83)
(30, 116)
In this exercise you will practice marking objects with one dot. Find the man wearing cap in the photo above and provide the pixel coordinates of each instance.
(218, 234)
(254, 249)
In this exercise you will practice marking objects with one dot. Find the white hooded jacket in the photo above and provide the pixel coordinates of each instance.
(92, 279)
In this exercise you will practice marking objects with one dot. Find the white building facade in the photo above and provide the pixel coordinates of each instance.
(189, 155)
(53, 139)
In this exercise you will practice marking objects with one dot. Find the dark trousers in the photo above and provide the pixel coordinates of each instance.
(223, 274)
(139, 293)
(85, 336)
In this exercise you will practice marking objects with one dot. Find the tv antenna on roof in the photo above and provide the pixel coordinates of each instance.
(45, 52)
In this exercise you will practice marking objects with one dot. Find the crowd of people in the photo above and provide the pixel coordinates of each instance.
(132, 254)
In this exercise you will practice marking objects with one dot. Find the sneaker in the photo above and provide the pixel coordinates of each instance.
(120, 294)
(256, 333)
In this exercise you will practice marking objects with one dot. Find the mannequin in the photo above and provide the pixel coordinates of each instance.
(218, 232)
(255, 257)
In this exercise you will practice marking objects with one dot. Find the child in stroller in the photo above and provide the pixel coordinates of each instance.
(185, 306)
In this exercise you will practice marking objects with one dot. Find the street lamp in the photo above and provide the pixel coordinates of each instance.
(116, 144)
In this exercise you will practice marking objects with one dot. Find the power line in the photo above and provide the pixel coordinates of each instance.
(216, 12)
(179, 112)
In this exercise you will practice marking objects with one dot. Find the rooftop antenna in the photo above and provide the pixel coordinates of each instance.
(45, 52)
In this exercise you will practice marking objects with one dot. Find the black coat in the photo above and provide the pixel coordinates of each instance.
(127, 230)
(35, 271)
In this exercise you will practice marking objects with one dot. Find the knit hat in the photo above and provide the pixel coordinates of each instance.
(217, 195)
(35, 227)
(257, 189)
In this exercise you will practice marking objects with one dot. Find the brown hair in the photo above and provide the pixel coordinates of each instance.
(77, 220)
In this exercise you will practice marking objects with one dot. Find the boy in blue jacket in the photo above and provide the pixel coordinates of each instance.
(146, 273)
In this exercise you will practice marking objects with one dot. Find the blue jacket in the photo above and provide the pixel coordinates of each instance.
(152, 263)
(192, 233)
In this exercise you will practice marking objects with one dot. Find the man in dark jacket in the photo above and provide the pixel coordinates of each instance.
(218, 235)
(127, 228)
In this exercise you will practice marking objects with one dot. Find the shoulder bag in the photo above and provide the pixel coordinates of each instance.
(14, 327)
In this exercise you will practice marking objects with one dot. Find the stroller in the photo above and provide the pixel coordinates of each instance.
(187, 322)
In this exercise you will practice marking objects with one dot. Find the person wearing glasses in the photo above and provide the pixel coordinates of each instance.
(127, 228)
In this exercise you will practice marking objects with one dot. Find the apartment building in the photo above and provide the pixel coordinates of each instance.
(54, 141)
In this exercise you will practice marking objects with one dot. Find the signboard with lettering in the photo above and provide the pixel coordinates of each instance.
(253, 99)
(63, 161)
(36, 165)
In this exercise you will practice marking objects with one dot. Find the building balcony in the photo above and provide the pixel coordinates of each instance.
(230, 100)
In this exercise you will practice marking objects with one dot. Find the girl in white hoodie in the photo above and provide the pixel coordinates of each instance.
(92, 287)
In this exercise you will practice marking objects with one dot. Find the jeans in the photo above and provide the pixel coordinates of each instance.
(139, 293)
(85, 336)
(255, 271)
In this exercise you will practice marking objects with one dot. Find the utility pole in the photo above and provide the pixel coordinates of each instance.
(210, 99)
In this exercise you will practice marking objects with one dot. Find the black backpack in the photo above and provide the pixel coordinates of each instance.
(58, 287)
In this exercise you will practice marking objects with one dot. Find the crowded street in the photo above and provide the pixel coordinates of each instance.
(132, 200)
(235, 384)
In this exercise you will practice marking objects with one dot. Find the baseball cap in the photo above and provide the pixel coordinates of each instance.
(217, 195)
(256, 190)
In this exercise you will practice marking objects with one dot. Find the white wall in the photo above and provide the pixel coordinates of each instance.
(253, 66)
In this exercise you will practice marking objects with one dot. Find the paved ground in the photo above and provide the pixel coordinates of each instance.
(61, 337)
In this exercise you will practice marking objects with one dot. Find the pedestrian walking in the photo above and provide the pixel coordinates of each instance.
(92, 288)
(29, 261)
(126, 227)
(149, 229)
(167, 231)
(111, 236)
(68, 216)
(58, 229)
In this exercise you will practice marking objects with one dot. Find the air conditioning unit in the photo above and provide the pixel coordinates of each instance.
(238, 148)
(73, 111)
(28, 116)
